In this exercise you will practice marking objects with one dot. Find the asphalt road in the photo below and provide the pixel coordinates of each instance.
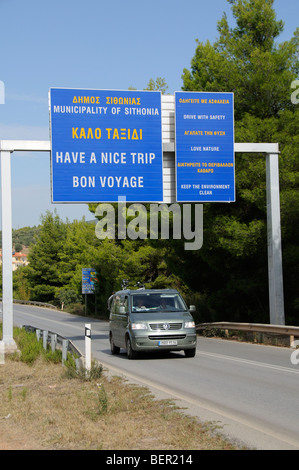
(249, 391)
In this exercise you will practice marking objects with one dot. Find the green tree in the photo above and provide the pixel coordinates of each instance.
(157, 85)
(43, 271)
(18, 247)
(247, 60)
(21, 288)
(78, 251)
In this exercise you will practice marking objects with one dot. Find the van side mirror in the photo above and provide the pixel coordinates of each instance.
(192, 308)
(122, 309)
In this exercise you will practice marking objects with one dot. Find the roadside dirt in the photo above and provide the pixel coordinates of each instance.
(42, 409)
(11, 438)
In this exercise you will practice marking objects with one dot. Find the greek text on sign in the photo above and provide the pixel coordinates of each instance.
(106, 145)
(205, 165)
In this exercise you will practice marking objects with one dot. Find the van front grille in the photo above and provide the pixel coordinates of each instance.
(161, 337)
(160, 326)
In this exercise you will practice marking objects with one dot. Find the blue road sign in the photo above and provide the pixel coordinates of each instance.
(106, 145)
(88, 278)
(204, 128)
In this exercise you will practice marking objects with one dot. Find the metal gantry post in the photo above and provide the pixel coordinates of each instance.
(275, 275)
(8, 344)
(7, 296)
(276, 297)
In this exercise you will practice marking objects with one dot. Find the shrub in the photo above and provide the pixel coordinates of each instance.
(30, 348)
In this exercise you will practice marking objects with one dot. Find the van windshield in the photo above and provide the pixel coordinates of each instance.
(153, 302)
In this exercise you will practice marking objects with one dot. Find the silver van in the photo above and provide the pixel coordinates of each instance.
(150, 320)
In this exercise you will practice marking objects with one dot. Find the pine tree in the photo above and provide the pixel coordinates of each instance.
(43, 271)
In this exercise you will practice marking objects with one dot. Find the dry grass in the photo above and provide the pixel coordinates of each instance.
(43, 409)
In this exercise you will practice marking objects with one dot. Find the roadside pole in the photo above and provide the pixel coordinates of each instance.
(9, 344)
(88, 346)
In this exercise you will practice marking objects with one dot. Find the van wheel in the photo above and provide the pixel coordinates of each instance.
(130, 352)
(190, 352)
(114, 349)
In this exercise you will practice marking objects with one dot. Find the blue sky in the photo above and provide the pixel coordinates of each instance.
(92, 44)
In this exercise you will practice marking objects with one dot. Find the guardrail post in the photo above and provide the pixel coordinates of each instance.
(292, 340)
(37, 332)
(53, 341)
(45, 339)
(65, 343)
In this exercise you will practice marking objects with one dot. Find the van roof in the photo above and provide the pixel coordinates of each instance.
(145, 291)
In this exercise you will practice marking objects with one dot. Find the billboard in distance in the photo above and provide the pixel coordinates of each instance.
(105, 145)
(204, 132)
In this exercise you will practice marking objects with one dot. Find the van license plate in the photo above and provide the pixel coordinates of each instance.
(167, 342)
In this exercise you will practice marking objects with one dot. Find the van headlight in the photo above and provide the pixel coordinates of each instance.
(139, 326)
(189, 324)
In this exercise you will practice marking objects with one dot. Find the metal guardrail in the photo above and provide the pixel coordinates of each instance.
(33, 302)
(54, 340)
(291, 331)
